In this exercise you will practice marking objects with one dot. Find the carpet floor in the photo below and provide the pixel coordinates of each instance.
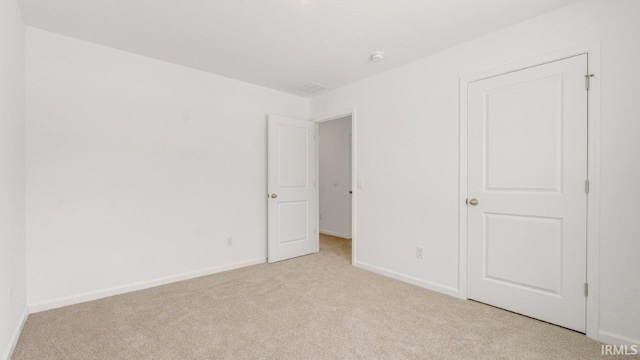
(312, 307)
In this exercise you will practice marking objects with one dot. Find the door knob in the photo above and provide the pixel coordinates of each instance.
(473, 202)
(273, 196)
(350, 192)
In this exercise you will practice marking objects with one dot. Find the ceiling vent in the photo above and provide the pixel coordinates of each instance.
(311, 88)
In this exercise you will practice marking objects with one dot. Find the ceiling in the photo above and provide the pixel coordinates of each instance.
(282, 44)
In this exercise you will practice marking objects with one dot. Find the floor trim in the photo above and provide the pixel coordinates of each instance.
(334, 233)
(13, 341)
(99, 294)
(615, 339)
(409, 279)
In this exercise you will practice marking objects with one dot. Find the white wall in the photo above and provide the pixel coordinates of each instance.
(408, 142)
(335, 177)
(12, 236)
(138, 170)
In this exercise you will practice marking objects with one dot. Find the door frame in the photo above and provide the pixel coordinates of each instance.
(592, 50)
(354, 196)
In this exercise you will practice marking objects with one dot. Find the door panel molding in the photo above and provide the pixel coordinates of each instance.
(592, 50)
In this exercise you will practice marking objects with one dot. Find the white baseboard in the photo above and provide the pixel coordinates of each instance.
(16, 335)
(615, 339)
(334, 233)
(409, 279)
(99, 294)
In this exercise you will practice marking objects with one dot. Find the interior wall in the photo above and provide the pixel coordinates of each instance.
(335, 175)
(13, 303)
(414, 112)
(139, 170)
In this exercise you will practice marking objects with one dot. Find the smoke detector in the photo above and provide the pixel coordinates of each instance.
(377, 56)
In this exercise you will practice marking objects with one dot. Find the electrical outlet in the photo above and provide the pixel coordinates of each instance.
(320, 216)
(229, 241)
(419, 253)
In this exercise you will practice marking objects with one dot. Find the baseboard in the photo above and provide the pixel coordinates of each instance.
(334, 233)
(100, 294)
(16, 335)
(409, 279)
(615, 339)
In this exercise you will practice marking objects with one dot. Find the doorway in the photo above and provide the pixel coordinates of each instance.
(334, 154)
(293, 185)
(336, 176)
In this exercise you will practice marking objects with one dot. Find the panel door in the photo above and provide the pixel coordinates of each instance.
(527, 167)
(292, 198)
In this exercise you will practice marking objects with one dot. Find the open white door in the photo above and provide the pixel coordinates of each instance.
(292, 203)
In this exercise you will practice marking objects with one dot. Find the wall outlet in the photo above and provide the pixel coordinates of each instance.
(419, 253)
(229, 241)
(320, 216)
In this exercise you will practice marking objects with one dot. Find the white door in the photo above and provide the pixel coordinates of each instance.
(527, 167)
(292, 202)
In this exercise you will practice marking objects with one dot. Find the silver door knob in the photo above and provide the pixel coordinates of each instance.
(473, 202)
(273, 196)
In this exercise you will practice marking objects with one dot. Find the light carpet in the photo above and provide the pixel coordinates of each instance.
(312, 307)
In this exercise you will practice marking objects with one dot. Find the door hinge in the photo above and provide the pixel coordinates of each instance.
(587, 81)
(586, 186)
(586, 289)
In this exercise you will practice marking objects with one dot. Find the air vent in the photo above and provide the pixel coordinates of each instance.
(311, 88)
